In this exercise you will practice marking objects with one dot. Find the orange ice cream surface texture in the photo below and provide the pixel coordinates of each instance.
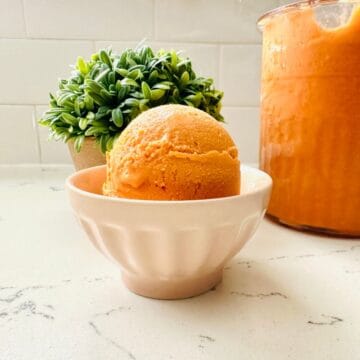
(173, 152)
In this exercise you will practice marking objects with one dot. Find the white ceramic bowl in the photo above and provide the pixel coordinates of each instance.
(169, 249)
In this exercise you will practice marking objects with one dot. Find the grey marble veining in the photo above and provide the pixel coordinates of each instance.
(287, 295)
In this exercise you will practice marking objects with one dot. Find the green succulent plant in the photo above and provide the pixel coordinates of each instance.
(103, 95)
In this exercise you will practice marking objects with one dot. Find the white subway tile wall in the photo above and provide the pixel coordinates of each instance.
(12, 23)
(31, 68)
(244, 124)
(229, 21)
(39, 40)
(89, 19)
(18, 142)
(240, 74)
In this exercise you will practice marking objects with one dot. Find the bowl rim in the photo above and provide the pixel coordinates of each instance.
(71, 187)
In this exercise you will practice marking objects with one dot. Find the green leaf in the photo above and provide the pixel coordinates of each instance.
(145, 88)
(118, 85)
(110, 143)
(105, 58)
(137, 95)
(77, 107)
(113, 128)
(195, 99)
(65, 98)
(185, 77)
(97, 98)
(56, 110)
(69, 119)
(117, 117)
(89, 103)
(111, 77)
(176, 93)
(135, 74)
(95, 57)
(103, 143)
(101, 75)
(122, 72)
(106, 95)
(102, 112)
(90, 131)
(157, 94)
(144, 52)
(95, 131)
(143, 105)
(132, 102)
(183, 62)
(100, 123)
(82, 66)
(153, 76)
(122, 92)
(134, 112)
(90, 116)
(131, 61)
(189, 103)
(122, 62)
(174, 59)
(79, 142)
(74, 88)
(44, 122)
(53, 101)
(83, 122)
(94, 86)
(165, 85)
(129, 82)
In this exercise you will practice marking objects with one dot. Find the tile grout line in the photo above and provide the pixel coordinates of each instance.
(177, 41)
(154, 13)
(219, 65)
(224, 105)
(17, 104)
(220, 50)
(241, 106)
(24, 18)
(37, 135)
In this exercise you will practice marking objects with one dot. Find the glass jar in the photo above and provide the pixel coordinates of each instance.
(310, 114)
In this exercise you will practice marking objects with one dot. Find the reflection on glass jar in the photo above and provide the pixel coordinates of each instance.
(310, 114)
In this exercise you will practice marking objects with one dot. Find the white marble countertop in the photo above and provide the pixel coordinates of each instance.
(286, 295)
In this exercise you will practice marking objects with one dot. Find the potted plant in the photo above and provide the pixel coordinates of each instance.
(103, 95)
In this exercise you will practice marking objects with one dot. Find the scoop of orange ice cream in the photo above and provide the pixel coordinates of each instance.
(173, 152)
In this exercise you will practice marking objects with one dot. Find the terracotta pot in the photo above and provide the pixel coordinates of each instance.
(89, 155)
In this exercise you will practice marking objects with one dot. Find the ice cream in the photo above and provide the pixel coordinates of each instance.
(173, 152)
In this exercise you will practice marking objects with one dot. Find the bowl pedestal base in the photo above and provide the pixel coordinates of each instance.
(171, 289)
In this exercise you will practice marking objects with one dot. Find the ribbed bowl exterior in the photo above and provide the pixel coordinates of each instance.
(166, 243)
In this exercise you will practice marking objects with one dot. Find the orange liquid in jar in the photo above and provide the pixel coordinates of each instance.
(310, 121)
